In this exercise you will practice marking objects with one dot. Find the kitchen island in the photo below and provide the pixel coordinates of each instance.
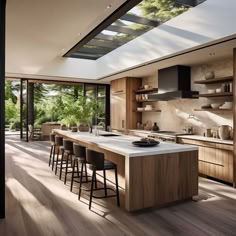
(148, 177)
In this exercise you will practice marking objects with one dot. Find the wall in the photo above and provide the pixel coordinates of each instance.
(175, 114)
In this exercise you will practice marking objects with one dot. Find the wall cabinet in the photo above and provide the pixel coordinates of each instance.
(215, 160)
(123, 103)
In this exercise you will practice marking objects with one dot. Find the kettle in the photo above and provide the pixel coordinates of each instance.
(224, 132)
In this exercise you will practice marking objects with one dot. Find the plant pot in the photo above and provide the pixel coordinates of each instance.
(74, 129)
(83, 128)
(63, 127)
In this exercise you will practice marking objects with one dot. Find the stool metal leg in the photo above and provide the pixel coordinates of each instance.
(105, 182)
(53, 157)
(81, 178)
(91, 191)
(86, 173)
(50, 157)
(117, 188)
(62, 158)
(73, 174)
(67, 162)
(58, 153)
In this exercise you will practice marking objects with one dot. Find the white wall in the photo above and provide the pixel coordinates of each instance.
(211, 20)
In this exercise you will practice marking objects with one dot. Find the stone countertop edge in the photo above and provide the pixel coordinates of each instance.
(109, 146)
(208, 139)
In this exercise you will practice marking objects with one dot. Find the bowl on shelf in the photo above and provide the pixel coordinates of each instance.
(210, 75)
(215, 105)
(206, 106)
(218, 90)
(211, 90)
(140, 108)
(146, 86)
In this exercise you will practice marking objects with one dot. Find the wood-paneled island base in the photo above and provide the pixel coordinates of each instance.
(148, 176)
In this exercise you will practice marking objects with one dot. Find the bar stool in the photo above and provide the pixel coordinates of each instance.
(97, 163)
(80, 157)
(53, 149)
(68, 150)
(60, 150)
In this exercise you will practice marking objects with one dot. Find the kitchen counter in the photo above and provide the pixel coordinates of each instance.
(123, 144)
(202, 138)
(147, 177)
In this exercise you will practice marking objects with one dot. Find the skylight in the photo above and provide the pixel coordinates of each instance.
(139, 19)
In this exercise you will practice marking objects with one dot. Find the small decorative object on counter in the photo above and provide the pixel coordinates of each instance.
(63, 127)
(145, 142)
(155, 127)
(138, 125)
(208, 133)
(148, 125)
(74, 129)
(224, 132)
(210, 75)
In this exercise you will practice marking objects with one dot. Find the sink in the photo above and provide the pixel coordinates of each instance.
(109, 135)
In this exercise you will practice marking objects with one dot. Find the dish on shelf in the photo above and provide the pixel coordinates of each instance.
(210, 75)
(218, 90)
(140, 108)
(211, 91)
(216, 105)
(225, 107)
(207, 106)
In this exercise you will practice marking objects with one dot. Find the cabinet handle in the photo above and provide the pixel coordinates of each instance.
(120, 91)
(123, 124)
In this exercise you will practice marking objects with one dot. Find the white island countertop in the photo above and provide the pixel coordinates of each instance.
(123, 144)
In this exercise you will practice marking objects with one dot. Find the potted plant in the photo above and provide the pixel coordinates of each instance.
(80, 112)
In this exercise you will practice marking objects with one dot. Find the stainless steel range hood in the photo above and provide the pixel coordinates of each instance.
(173, 83)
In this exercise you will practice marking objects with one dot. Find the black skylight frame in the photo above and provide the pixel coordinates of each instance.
(93, 46)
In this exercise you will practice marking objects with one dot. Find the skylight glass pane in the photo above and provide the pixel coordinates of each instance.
(135, 22)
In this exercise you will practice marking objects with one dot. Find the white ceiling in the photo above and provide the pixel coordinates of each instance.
(39, 32)
(221, 49)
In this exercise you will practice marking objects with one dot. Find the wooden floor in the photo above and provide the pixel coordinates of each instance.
(37, 203)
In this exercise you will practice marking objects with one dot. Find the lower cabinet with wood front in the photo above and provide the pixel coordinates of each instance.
(215, 160)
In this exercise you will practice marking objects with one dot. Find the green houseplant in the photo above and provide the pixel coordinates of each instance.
(80, 112)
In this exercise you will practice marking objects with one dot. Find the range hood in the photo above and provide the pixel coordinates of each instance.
(173, 83)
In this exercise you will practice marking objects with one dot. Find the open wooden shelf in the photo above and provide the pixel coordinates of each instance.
(150, 111)
(147, 90)
(148, 100)
(211, 109)
(214, 81)
(214, 95)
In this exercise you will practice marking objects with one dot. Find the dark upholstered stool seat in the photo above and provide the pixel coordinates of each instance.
(108, 165)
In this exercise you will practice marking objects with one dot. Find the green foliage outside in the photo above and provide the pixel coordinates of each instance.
(53, 103)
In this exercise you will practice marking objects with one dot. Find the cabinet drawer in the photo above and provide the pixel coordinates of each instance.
(191, 142)
(224, 146)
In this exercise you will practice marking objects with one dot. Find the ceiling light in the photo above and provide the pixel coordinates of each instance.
(212, 54)
(79, 34)
(109, 6)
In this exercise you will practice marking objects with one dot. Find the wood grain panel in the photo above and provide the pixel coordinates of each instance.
(170, 177)
(234, 115)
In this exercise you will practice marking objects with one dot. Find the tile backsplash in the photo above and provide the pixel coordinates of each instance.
(176, 114)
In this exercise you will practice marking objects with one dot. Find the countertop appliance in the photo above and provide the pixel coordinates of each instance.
(165, 136)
